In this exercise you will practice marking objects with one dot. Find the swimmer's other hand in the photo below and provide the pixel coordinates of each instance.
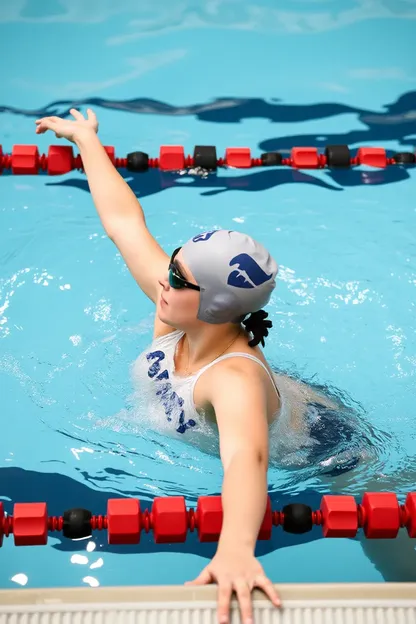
(67, 128)
(239, 571)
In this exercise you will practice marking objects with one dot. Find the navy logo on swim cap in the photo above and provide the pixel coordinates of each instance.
(249, 274)
(203, 237)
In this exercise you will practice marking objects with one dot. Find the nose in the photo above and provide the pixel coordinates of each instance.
(164, 283)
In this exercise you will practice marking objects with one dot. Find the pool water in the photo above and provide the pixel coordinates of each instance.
(72, 319)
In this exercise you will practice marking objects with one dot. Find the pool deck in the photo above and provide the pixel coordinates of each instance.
(381, 603)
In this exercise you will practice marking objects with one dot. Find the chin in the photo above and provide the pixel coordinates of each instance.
(165, 319)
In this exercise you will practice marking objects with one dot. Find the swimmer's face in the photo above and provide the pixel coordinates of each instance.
(178, 307)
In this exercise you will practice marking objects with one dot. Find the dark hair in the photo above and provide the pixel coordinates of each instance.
(257, 325)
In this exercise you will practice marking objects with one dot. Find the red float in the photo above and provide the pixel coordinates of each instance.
(111, 153)
(239, 157)
(339, 516)
(171, 158)
(25, 160)
(124, 521)
(30, 524)
(208, 518)
(381, 517)
(410, 508)
(372, 156)
(170, 520)
(305, 158)
(60, 159)
(265, 532)
(1, 523)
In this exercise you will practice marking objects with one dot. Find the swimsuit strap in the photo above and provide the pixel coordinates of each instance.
(238, 354)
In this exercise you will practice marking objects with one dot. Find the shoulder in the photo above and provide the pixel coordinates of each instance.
(235, 375)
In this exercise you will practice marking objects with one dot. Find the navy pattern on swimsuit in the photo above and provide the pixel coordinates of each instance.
(172, 403)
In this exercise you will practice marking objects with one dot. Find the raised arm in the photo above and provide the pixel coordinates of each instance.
(117, 206)
(240, 404)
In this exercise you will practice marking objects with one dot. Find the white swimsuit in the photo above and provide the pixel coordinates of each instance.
(154, 373)
(170, 408)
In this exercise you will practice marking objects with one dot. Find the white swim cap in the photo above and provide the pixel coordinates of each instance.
(236, 274)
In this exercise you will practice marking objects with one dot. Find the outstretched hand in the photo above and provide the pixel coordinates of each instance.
(67, 128)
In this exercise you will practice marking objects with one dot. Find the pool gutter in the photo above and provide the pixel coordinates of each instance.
(311, 603)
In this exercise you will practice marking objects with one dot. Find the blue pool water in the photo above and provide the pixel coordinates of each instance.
(72, 319)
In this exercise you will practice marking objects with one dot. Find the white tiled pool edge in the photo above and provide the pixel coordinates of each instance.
(312, 603)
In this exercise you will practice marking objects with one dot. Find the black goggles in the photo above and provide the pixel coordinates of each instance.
(176, 280)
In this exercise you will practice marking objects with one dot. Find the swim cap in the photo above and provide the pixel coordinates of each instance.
(236, 274)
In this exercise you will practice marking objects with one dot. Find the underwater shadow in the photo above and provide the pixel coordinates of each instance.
(154, 181)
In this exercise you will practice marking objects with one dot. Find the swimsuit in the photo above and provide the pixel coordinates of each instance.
(170, 407)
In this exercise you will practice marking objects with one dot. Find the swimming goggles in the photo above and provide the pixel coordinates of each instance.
(176, 280)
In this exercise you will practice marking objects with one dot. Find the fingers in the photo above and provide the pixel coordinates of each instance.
(267, 586)
(244, 600)
(203, 579)
(75, 113)
(47, 123)
(54, 119)
(91, 116)
(223, 602)
(243, 590)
